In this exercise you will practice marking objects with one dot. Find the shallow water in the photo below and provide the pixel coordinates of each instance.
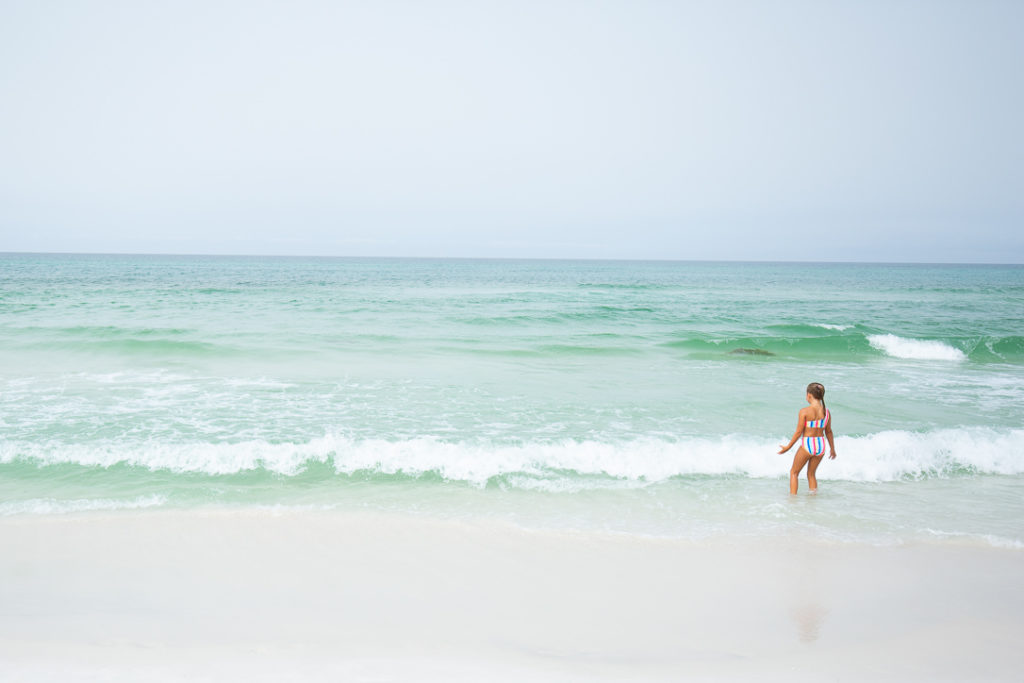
(636, 397)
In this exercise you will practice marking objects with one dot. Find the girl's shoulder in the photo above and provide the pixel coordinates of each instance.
(809, 413)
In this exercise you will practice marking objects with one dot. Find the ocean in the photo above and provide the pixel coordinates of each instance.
(644, 398)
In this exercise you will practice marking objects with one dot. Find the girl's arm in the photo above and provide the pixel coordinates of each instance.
(797, 433)
(828, 435)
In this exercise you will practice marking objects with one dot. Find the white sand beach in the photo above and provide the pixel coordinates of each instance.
(220, 595)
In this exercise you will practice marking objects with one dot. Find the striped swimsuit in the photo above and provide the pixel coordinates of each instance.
(815, 445)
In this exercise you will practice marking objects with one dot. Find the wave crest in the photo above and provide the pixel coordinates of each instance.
(916, 349)
(559, 466)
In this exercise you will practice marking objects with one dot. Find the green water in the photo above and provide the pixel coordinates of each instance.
(542, 390)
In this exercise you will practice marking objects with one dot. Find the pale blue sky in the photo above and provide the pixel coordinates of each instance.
(686, 130)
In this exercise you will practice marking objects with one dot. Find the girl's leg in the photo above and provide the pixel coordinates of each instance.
(812, 469)
(799, 460)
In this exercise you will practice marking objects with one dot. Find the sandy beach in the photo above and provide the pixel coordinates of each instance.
(311, 596)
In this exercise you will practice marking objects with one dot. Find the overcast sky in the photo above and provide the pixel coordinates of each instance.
(816, 130)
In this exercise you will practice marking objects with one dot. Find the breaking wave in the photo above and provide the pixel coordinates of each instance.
(917, 349)
(555, 466)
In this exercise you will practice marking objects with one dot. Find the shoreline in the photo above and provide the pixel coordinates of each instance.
(310, 596)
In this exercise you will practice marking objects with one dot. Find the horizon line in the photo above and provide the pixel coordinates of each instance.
(506, 258)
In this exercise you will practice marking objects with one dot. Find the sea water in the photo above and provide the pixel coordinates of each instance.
(630, 397)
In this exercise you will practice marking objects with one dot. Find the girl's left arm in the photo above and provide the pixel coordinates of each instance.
(796, 434)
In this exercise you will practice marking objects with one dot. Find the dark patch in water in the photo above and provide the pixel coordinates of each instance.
(750, 352)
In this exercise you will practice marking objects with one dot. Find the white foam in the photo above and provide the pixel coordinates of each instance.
(990, 539)
(917, 349)
(882, 456)
(838, 328)
(54, 506)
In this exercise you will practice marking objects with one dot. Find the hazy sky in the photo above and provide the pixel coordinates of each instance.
(816, 130)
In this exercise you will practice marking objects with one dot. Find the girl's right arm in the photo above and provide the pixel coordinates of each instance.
(828, 435)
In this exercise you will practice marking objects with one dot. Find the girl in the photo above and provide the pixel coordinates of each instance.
(814, 424)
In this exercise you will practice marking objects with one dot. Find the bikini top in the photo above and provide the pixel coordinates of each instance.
(817, 424)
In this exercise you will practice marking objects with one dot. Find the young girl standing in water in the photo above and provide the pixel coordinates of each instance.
(813, 426)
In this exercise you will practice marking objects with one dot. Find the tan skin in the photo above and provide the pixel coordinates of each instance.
(814, 411)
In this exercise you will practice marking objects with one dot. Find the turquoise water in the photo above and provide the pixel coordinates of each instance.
(635, 397)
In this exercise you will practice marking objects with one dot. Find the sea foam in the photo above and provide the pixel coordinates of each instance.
(566, 465)
(917, 349)
(54, 506)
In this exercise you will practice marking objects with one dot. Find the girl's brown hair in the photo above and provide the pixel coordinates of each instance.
(817, 391)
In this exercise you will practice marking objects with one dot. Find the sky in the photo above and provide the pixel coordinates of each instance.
(726, 130)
